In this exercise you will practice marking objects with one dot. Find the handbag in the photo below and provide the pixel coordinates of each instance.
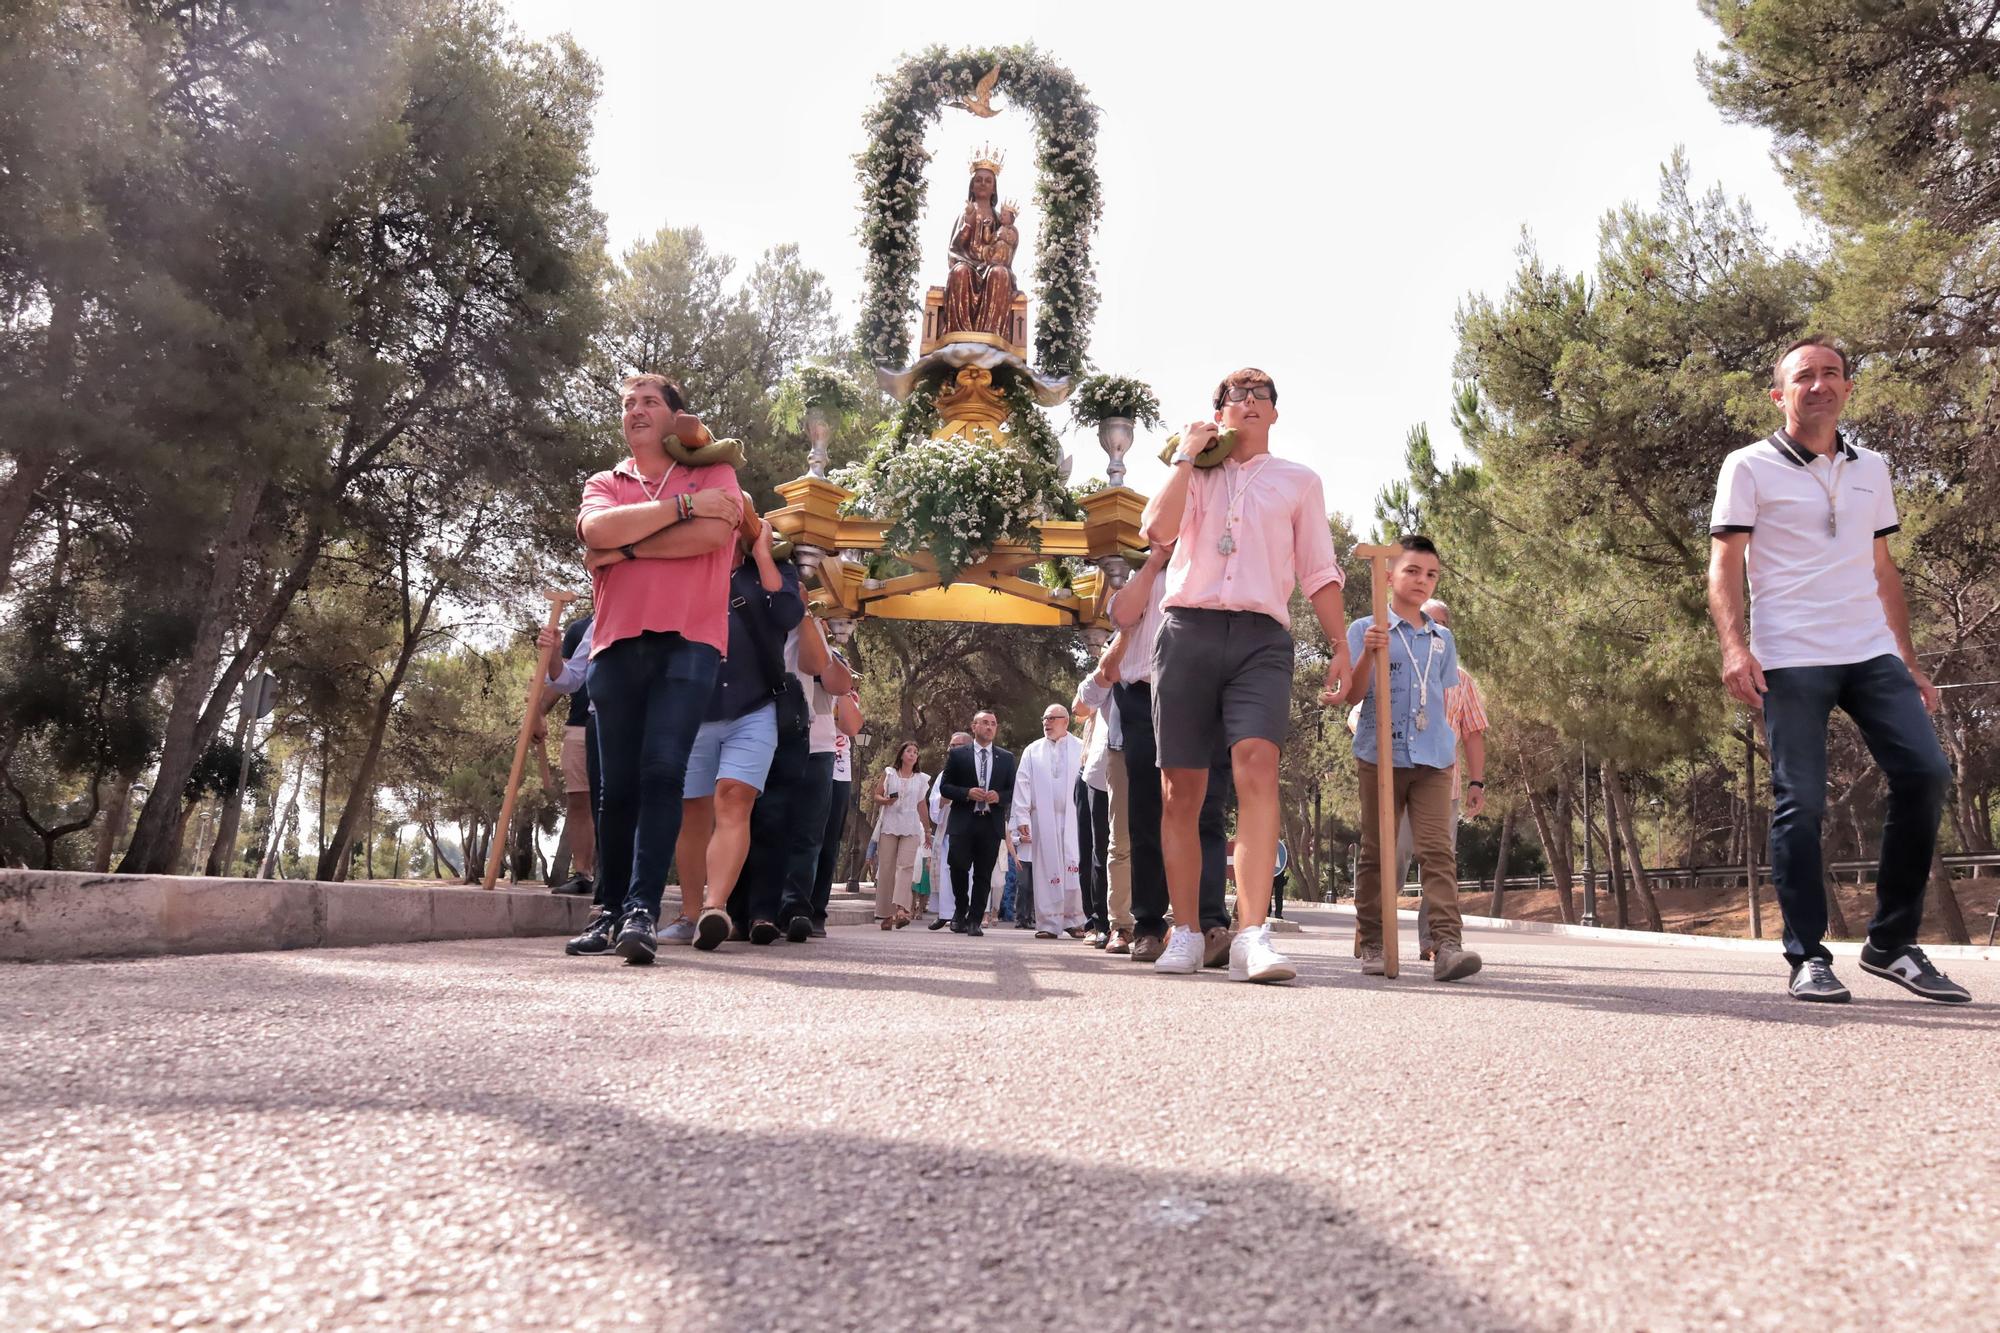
(794, 714)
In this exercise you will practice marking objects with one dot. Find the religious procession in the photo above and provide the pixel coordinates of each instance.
(719, 716)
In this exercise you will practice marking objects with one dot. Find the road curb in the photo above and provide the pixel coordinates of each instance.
(60, 915)
(1675, 939)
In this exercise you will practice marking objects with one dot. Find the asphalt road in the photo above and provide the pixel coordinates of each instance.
(916, 1130)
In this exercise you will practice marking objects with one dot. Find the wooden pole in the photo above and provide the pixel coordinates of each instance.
(1378, 558)
(557, 601)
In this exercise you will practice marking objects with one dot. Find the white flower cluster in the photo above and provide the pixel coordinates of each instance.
(956, 497)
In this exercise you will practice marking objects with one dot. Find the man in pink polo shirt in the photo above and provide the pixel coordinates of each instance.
(1245, 532)
(659, 559)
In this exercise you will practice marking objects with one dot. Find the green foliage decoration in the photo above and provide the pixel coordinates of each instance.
(815, 386)
(1067, 192)
(1099, 398)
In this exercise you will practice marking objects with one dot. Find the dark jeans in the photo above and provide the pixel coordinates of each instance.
(974, 849)
(785, 830)
(650, 692)
(829, 849)
(804, 838)
(595, 771)
(1142, 789)
(1883, 701)
(1093, 840)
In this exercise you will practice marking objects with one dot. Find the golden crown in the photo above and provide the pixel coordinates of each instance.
(989, 158)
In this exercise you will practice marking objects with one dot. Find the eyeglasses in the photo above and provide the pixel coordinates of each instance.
(1263, 393)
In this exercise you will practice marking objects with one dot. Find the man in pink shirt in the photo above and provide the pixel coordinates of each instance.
(659, 538)
(1245, 532)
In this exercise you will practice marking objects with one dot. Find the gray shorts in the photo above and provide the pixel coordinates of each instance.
(1219, 677)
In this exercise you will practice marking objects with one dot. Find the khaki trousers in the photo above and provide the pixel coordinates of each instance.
(1424, 794)
(895, 871)
(1119, 862)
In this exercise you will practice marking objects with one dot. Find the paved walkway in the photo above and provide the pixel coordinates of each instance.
(916, 1130)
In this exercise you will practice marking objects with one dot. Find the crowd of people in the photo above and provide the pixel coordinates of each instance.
(713, 721)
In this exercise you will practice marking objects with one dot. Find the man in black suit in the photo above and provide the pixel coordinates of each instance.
(978, 780)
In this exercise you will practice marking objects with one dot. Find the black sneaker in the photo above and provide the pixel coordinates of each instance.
(1813, 981)
(1910, 969)
(763, 932)
(597, 936)
(799, 929)
(636, 941)
(579, 886)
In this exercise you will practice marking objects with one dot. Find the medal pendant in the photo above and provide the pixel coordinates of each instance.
(1423, 719)
(1832, 524)
(1227, 545)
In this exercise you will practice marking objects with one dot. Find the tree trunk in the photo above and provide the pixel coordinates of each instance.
(1498, 907)
(183, 742)
(1555, 851)
(1613, 835)
(222, 855)
(364, 778)
(114, 822)
(1621, 810)
(521, 865)
(1946, 899)
(282, 812)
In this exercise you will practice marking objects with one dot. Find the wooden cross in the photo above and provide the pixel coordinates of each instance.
(1378, 558)
(557, 601)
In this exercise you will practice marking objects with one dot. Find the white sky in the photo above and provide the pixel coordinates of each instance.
(1309, 192)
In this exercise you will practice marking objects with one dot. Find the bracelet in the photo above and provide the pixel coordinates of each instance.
(1475, 783)
(627, 551)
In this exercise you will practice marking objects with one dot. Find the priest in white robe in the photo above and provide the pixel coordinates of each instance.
(1044, 818)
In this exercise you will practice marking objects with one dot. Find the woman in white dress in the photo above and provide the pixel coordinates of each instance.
(902, 795)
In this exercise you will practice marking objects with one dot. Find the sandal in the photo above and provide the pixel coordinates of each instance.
(885, 922)
(902, 919)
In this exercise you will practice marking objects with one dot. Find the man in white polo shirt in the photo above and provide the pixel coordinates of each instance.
(1830, 629)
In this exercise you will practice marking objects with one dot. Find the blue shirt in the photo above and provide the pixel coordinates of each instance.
(1421, 679)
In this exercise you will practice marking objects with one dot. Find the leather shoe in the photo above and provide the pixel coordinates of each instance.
(939, 924)
(1116, 942)
(974, 929)
(1148, 948)
(1215, 947)
(958, 927)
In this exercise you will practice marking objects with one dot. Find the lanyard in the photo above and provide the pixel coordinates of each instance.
(1830, 484)
(654, 495)
(1227, 545)
(1832, 489)
(1424, 679)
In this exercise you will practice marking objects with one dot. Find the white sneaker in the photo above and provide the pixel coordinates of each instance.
(1251, 957)
(1183, 952)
